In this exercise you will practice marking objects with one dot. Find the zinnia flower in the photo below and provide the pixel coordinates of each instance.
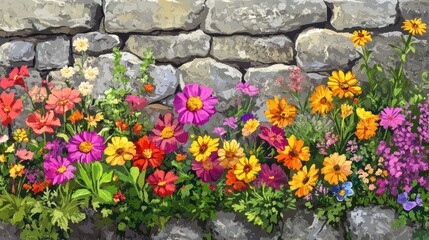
(90, 73)
(136, 103)
(280, 113)
(336, 168)
(16, 77)
(16, 170)
(195, 104)
(247, 89)
(366, 128)
(86, 147)
(67, 72)
(230, 122)
(275, 136)
(147, 153)
(162, 183)
(10, 108)
(209, 170)
(119, 151)
(168, 132)
(24, 154)
(43, 124)
(361, 37)
(391, 117)
(344, 191)
(273, 176)
(63, 100)
(321, 100)
(58, 170)
(81, 44)
(38, 94)
(343, 85)
(203, 147)
(231, 179)
(247, 169)
(293, 154)
(414, 26)
(250, 127)
(304, 180)
(230, 154)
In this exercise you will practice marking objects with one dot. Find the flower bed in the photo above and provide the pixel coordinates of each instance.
(339, 148)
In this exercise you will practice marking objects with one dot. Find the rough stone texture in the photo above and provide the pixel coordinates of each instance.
(260, 17)
(415, 9)
(362, 13)
(170, 48)
(229, 226)
(54, 53)
(99, 43)
(17, 53)
(149, 15)
(156, 109)
(8, 231)
(303, 225)
(275, 49)
(180, 229)
(166, 81)
(383, 54)
(23, 17)
(375, 223)
(323, 49)
(218, 76)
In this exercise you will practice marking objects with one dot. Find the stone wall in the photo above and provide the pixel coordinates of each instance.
(214, 42)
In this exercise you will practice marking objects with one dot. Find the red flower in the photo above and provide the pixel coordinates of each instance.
(162, 183)
(16, 77)
(149, 88)
(63, 100)
(121, 125)
(43, 124)
(118, 197)
(147, 153)
(39, 187)
(231, 179)
(137, 128)
(10, 108)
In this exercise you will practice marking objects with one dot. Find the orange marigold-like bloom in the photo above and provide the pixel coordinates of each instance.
(321, 100)
(366, 128)
(344, 85)
(149, 88)
(336, 168)
(121, 125)
(75, 116)
(280, 113)
(414, 26)
(361, 37)
(293, 154)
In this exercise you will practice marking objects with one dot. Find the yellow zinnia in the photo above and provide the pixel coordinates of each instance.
(280, 113)
(414, 26)
(203, 147)
(346, 110)
(343, 85)
(119, 151)
(16, 170)
(366, 128)
(250, 127)
(361, 37)
(336, 168)
(293, 154)
(304, 181)
(92, 120)
(247, 169)
(230, 154)
(321, 100)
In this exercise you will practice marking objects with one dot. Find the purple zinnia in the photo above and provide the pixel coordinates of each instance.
(246, 117)
(391, 117)
(231, 122)
(55, 148)
(275, 136)
(86, 147)
(273, 176)
(248, 89)
(208, 170)
(195, 104)
(58, 170)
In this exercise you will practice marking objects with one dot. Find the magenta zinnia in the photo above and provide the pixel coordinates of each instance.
(273, 176)
(86, 147)
(195, 104)
(208, 170)
(168, 132)
(58, 170)
(391, 117)
(275, 136)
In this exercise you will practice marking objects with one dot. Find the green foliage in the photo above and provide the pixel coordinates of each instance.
(334, 210)
(311, 129)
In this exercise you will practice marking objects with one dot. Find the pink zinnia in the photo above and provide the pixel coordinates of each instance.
(41, 124)
(168, 132)
(208, 170)
(195, 104)
(63, 100)
(136, 103)
(273, 176)
(230, 122)
(247, 89)
(58, 170)
(86, 147)
(24, 154)
(391, 117)
(275, 136)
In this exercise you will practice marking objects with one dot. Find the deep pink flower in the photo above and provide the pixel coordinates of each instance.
(247, 89)
(168, 132)
(208, 170)
(58, 170)
(195, 104)
(136, 103)
(391, 117)
(86, 147)
(275, 136)
(273, 176)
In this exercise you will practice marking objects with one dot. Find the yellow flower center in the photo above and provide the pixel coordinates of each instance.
(85, 147)
(6, 109)
(162, 184)
(61, 170)
(342, 192)
(120, 151)
(147, 153)
(194, 104)
(63, 102)
(208, 165)
(271, 177)
(167, 133)
(344, 85)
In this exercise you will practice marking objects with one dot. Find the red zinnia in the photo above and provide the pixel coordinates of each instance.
(147, 153)
(43, 124)
(163, 183)
(10, 108)
(63, 100)
(16, 77)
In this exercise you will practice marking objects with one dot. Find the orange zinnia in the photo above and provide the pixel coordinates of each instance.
(280, 113)
(76, 116)
(231, 179)
(366, 128)
(293, 154)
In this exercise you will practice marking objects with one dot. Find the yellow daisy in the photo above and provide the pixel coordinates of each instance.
(414, 26)
(119, 151)
(304, 180)
(203, 147)
(247, 169)
(230, 154)
(321, 100)
(344, 85)
(361, 37)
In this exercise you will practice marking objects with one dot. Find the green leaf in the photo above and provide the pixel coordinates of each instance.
(81, 193)
(106, 177)
(141, 179)
(105, 195)
(84, 175)
(96, 171)
(134, 172)
(70, 129)
(63, 136)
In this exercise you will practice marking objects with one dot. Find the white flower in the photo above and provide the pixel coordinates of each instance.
(86, 88)
(67, 72)
(4, 138)
(90, 73)
(81, 44)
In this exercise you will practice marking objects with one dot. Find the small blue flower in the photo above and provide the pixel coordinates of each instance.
(344, 191)
(247, 117)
